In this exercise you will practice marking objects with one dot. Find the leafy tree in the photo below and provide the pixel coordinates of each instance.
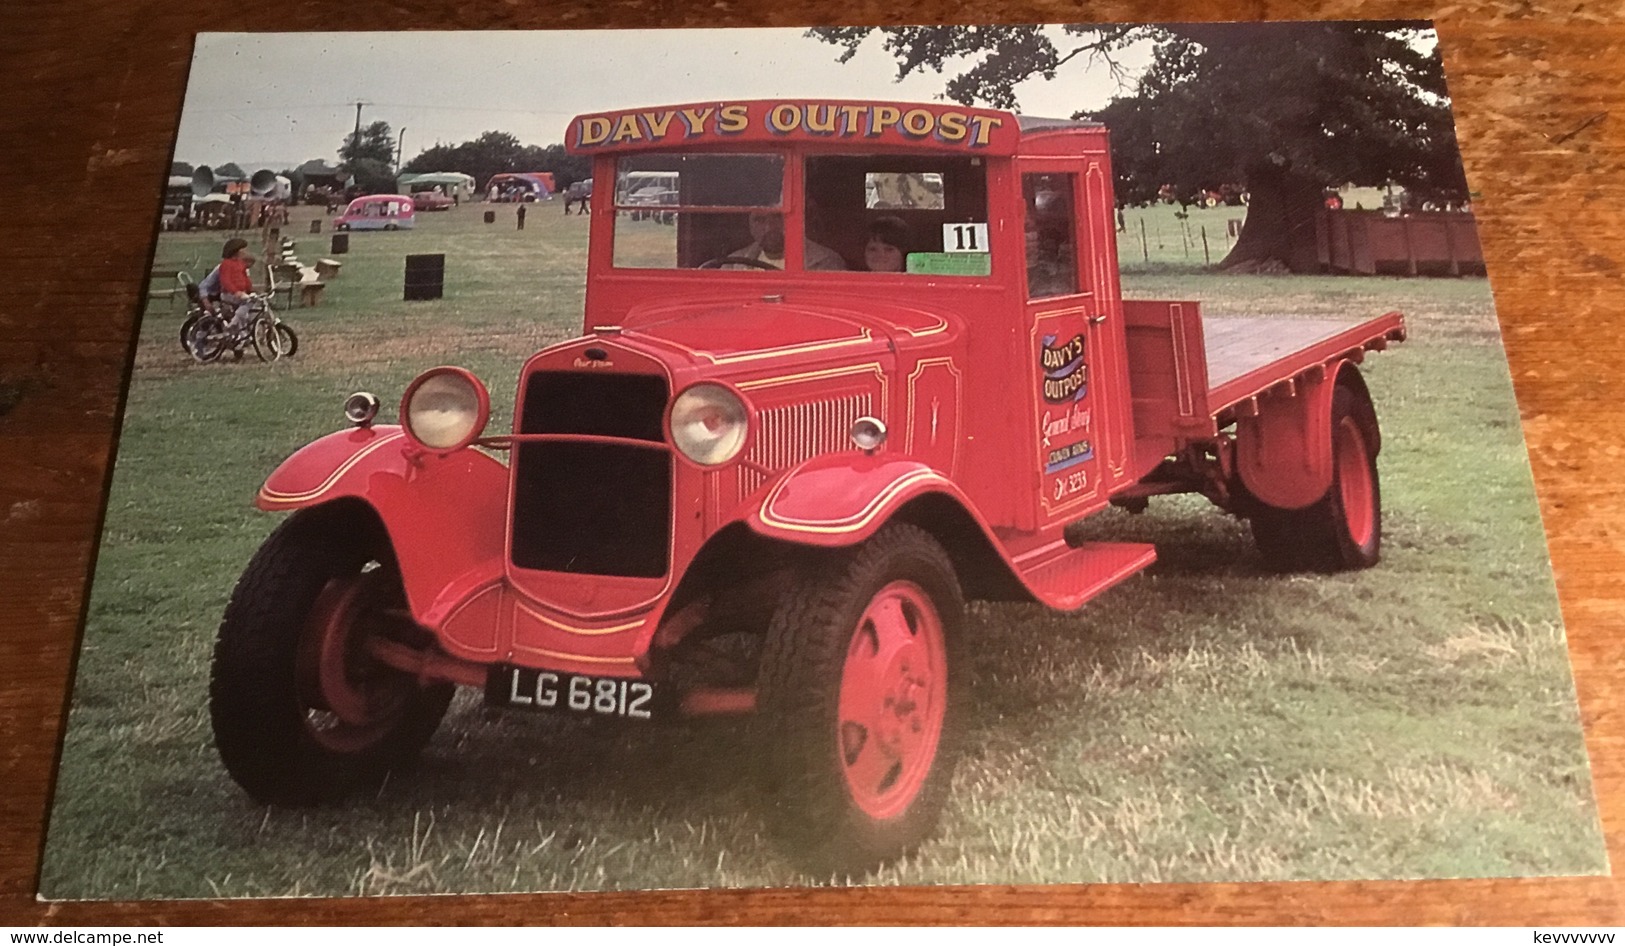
(180, 169)
(372, 176)
(495, 152)
(1283, 109)
(230, 170)
(374, 143)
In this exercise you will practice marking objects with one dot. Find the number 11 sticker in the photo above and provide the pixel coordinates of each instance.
(964, 238)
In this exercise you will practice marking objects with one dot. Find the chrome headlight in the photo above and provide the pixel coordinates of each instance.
(445, 409)
(709, 423)
(867, 434)
(360, 408)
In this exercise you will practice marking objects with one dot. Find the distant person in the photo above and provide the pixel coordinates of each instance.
(887, 248)
(767, 245)
(521, 216)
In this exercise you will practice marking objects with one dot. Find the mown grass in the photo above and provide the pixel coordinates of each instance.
(1205, 721)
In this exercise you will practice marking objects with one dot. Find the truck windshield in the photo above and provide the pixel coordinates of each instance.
(902, 214)
(683, 211)
(916, 214)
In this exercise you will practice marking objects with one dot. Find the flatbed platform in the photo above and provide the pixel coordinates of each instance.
(1247, 356)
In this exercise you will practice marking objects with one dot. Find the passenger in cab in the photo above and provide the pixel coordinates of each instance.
(888, 246)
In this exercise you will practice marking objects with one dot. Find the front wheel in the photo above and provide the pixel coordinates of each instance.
(1343, 531)
(273, 340)
(857, 694)
(301, 711)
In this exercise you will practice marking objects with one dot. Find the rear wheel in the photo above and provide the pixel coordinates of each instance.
(186, 330)
(1343, 530)
(857, 703)
(207, 338)
(301, 712)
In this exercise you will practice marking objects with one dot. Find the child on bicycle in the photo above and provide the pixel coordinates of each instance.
(229, 282)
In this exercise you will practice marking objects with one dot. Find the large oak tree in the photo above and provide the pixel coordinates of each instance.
(1284, 110)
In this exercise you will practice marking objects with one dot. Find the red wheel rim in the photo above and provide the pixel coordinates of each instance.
(346, 700)
(1354, 482)
(894, 690)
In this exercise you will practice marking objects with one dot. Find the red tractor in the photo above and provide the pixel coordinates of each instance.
(875, 365)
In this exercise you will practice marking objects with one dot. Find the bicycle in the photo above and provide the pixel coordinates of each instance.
(206, 335)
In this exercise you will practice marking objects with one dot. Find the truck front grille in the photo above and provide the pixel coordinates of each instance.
(791, 433)
(593, 508)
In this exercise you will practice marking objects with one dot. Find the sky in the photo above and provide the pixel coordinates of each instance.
(277, 99)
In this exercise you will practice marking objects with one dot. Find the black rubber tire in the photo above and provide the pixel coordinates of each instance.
(808, 803)
(284, 346)
(208, 339)
(186, 330)
(1319, 537)
(259, 337)
(262, 724)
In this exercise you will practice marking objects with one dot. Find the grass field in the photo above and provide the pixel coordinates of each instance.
(1204, 721)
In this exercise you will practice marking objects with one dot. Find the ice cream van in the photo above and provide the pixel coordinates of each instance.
(378, 212)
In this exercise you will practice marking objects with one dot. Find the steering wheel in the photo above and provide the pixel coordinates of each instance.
(722, 261)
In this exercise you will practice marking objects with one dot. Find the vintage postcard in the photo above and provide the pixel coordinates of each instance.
(739, 458)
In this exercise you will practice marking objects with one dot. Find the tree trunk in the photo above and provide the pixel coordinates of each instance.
(1280, 230)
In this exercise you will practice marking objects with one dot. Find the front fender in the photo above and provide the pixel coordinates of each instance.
(445, 515)
(841, 499)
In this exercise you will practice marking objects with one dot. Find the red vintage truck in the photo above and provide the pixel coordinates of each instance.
(876, 363)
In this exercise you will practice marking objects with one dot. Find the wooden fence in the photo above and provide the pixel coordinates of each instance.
(1367, 242)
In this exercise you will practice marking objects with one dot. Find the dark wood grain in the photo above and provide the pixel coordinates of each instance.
(94, 90)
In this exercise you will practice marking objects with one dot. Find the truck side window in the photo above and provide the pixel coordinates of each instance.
(1052, 268)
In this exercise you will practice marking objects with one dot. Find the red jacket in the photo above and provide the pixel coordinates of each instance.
(234, 276)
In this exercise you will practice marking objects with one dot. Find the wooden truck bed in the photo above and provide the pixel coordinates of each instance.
(1188, 373)
(1247, 356)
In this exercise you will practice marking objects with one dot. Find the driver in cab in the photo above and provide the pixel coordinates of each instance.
(767, 246)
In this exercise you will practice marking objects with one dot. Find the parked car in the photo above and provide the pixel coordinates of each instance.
(432, 200)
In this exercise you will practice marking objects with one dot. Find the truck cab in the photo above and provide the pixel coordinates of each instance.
(866, 361)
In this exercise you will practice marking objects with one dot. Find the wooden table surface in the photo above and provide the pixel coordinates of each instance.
(95, 88)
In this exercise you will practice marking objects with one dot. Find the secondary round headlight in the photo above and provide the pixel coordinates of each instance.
(445, 408)
(708, 424)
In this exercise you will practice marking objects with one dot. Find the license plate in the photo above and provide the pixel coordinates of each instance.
(547, 691)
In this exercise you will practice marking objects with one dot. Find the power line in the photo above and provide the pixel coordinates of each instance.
(333, 107)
